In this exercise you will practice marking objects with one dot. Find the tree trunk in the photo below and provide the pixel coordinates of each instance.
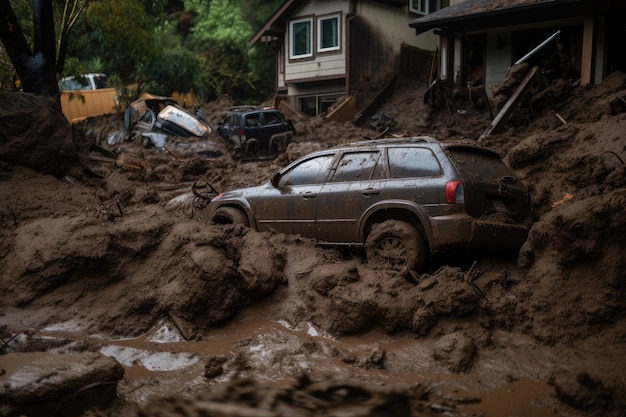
(35, 69)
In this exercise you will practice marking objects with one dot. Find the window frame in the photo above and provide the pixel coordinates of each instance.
(419, 10)
(323, 171)
(292, 38)
(407, 171)
(320, 32)
(371, 158)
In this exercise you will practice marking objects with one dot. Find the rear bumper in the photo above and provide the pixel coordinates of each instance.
(460, 231)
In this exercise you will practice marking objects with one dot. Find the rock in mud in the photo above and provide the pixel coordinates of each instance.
(456, 351)
(586, 392)
(48, 381)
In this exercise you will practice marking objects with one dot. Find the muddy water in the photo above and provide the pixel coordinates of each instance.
(502, 383)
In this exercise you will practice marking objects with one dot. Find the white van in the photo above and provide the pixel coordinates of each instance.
(84, 82)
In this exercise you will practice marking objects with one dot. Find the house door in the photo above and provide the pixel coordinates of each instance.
(474, 60)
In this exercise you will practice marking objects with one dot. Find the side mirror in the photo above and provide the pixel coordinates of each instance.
(276, 179)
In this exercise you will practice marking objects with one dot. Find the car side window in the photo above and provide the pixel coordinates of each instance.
(311, 171)
(252, 120)
(272, 118)
(356, 166)
(413, 162)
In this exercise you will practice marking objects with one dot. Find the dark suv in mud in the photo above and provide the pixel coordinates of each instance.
(251, 131)
(398, 199)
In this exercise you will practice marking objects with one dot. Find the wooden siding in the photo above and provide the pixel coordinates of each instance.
(323, 64)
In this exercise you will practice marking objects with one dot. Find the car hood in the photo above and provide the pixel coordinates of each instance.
(245, 193)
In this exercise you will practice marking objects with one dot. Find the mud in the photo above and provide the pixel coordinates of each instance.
(99, 258)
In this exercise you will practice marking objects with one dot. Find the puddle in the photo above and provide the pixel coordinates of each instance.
(151, 361)
(162, 362)
(518, 399)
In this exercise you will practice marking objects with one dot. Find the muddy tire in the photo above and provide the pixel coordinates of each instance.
(230, 215)
(395, 245)
(233, 145)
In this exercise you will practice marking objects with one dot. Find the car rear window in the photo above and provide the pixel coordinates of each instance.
(473, 163)
(413, 162)
(272, 118)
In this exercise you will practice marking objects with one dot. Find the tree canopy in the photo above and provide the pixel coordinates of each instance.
(163, 46)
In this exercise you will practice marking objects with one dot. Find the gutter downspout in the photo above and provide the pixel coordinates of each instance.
(349, 18)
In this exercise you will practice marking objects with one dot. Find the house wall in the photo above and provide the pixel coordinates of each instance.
(378, 32)
(325, 65)
(498, 52)
(392, 23)
(372, 36)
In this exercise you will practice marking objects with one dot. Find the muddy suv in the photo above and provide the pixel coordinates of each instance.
(251, 131)
(399, 199)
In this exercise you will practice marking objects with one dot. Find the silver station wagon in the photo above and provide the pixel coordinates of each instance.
(399, 199)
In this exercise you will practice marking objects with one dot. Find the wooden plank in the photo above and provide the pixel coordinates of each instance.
(362, 118)
(502, 116)
(586, 64)
(344, 112)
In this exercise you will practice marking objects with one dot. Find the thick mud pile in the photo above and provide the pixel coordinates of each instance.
(114, 251)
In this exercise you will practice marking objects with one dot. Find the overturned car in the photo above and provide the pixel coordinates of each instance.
(155, 117)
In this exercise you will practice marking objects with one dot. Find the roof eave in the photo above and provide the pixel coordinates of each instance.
(275, 21)
(494, 18)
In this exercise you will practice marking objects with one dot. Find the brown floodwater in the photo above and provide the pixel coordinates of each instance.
(162, 362)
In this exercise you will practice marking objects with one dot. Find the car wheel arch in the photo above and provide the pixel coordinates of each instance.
(252, 144)
(278, 140)
(244, 208)
(412, 214)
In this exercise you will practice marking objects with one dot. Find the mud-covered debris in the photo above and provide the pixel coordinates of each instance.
(303, 397)
(585, 391)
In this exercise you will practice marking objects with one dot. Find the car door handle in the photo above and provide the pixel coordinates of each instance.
(306, 196)
(370, 191)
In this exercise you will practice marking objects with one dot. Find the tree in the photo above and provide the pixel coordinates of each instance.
(71, 11)
(124, 36)
(220, 35)
(36, 68)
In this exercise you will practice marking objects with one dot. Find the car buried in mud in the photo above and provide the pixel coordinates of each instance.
(399, 199)
(255, 131)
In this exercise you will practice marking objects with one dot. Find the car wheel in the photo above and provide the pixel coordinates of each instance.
(234, 148)
(230, 215)
(395, 245)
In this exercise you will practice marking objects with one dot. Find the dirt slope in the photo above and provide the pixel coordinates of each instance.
(114, 251)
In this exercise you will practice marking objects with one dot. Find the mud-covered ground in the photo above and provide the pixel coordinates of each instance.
(106, 260)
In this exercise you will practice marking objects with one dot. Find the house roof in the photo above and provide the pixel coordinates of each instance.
(486, 14)
(276, 25)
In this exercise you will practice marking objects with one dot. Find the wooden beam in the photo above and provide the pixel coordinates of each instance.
(586, 64)
(510, 104)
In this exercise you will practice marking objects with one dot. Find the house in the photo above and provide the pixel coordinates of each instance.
(327, 49)
(480, 39)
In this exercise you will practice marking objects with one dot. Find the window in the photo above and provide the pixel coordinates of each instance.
(314, 105)
(328, 33)
(356, 166)
(427, 6)
(301, 42)
(311, 171)
(272, 118)
(413, 162)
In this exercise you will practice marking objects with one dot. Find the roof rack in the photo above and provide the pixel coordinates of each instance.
(249, 108)
(384, 141)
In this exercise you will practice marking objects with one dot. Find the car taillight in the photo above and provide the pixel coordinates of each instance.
(218, 197)
(242, 132)
(455, 192)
